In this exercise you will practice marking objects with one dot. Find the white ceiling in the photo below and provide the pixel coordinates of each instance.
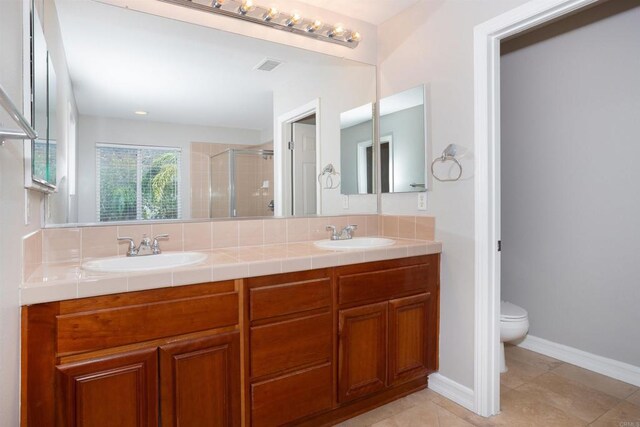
(121, 61)
(372, 11)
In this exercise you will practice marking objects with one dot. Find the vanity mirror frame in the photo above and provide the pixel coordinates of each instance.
(29, 25)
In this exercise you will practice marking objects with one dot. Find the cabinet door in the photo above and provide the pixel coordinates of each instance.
(410, 337)
(200, 381)
(118, 390)
(362, 351)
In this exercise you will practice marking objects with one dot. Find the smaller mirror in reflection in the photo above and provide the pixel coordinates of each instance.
(403, 142)
(357, 151)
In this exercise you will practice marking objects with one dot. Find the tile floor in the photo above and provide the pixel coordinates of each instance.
(536, 391)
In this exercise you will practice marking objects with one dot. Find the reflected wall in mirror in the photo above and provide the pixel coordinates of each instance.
(403, 142)
(43, 95)
(176, 120)
(357, 151)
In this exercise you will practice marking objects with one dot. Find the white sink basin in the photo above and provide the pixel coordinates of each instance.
(163, 261)
(355, 243)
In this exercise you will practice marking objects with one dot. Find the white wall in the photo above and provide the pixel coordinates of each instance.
(571, 181)
(340, 88)
(349, 139)
(432, 43)
(12, 212)
(94, 130)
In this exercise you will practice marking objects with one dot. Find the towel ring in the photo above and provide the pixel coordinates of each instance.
(445, 158)
(328, 173)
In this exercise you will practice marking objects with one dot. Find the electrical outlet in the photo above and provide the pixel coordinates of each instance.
(345, 201)
(422, 201)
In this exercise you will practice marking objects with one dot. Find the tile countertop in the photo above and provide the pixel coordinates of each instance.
(57, 282)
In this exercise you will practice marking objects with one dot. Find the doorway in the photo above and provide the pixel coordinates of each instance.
(297, 158)
(487, 38)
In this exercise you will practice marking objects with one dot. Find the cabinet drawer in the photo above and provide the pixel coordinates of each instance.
(287, 298)
(116, 326)
(291, 397)
(295, 343)
(385, 283)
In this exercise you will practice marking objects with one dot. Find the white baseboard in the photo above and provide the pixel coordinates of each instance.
(452, 390)
(602, 365)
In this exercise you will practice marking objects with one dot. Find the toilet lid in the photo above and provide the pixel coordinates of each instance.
(510, 311)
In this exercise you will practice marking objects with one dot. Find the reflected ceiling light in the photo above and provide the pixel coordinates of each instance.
(292, 22)
(270, 14)
(140, 113)
(314, 26)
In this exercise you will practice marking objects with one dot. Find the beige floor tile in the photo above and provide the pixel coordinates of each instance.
(427, 414)
(369, 418)
(462, 412)
(538, 360)
(608, 385)
(521, 409)
(625, 414)
(634, 398)
(570, 396)
(519, 373)
(419, 397)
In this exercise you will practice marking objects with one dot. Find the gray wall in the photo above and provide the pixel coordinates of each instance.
(349, 139)
(407, 129)
(571, 180)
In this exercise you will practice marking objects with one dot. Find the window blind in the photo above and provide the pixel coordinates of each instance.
(137, 182)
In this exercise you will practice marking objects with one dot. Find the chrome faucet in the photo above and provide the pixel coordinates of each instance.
(146, 247)
(345, 234)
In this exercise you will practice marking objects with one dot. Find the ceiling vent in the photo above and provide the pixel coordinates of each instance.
(268, 65)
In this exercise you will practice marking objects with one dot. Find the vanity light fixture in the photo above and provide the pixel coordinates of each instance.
(292, 22)
(314, 26)
(293, 19)
(270, 14)
(245, 7)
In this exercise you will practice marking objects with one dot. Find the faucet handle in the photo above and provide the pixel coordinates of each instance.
(352, 227)
(132, 245)
(155, 246)
(334, 233)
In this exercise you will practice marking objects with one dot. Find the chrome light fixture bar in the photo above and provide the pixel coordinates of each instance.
(292, 22)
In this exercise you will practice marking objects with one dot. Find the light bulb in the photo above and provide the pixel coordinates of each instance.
(293, 19)
(315, 26)
(337, 31)
(272, 13)
(354, 37)
(246, 6)
(217, 4)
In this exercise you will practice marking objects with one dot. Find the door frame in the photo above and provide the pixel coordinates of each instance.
(487, 37)
(282, 163)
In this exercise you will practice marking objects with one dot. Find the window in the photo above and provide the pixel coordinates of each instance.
(137, 183)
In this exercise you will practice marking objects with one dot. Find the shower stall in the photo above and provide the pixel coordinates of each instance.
(241, 183)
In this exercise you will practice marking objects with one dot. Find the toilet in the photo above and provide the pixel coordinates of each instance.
(514, 324)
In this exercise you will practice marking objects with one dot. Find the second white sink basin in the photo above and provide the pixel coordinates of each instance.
(355, 243)
(163, 261)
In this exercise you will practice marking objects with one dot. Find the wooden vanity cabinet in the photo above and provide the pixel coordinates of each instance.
(165, 357)
(290, 339)
(388, 324)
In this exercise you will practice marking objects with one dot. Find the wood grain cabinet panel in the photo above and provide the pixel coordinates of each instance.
(200, 382)
(362, 351)
(291, 397)
(119, 390)
(291, 344)
(409, 320)
(287, 298)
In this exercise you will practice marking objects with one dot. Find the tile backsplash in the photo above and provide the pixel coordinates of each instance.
(73, 245)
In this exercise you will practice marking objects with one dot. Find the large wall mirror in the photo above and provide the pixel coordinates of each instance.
(357, 148)
(165, 119)
(403, 142)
